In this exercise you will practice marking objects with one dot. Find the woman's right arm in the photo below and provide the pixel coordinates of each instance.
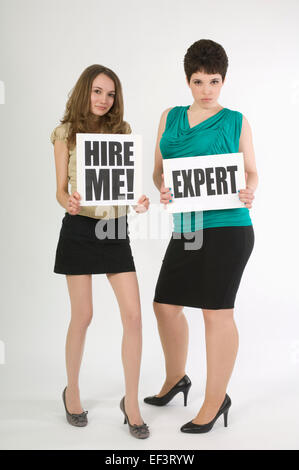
(70, 203)
(158, 169)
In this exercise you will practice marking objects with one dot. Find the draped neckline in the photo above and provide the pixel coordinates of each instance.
(202, 122)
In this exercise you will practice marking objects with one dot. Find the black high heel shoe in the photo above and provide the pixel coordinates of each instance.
(183, 385)
(200, 428)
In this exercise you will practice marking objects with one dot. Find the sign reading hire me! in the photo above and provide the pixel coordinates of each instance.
(108, 169)
(205, 182)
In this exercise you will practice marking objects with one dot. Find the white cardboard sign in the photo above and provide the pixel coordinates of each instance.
(205, 182)
(108, 169)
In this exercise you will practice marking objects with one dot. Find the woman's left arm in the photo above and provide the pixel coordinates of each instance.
(246, 146)
(143, 202)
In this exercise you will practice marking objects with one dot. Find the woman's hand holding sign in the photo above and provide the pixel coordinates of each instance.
(73, 204)
(142, 204)
(246, 196)
(165, 194)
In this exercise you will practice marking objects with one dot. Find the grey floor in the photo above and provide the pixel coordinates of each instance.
(261, 417)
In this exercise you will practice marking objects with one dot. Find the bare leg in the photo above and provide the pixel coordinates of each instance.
(222, 343)
(174, 335)
(80, 291)
(125, 286)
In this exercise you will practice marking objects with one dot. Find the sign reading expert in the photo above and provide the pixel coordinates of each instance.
(205, 182)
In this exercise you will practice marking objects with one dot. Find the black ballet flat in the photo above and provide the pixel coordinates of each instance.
(201, 428)
(183, 386)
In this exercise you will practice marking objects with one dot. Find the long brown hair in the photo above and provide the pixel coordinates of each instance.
(77, 112)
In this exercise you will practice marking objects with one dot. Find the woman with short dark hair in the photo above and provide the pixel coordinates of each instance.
(208, 277)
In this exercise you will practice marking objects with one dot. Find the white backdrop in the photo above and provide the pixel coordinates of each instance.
(45, 45)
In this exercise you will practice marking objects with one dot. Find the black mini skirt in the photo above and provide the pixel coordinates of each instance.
(93, 246)
(207, 277)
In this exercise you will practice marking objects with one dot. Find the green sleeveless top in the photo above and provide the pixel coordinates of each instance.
(216, 135)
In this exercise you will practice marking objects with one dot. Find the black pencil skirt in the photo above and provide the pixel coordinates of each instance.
(92, 246)
(207, 277)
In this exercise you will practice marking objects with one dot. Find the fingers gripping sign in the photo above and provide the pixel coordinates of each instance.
(73, 204)
(246, 196)
(165, 194)
(142, 204)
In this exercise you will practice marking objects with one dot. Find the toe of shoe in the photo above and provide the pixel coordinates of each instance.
(148, 399)
(186, 427)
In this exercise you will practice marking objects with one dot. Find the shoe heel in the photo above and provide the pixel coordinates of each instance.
(186, 391)
(225, 418)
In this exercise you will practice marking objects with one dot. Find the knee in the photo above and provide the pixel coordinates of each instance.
(132, 321)
(164, 311)
(82, 319)
(158, 309)
(218, 317)
(87, 319)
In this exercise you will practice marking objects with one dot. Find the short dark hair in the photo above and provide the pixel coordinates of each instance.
(205, 56)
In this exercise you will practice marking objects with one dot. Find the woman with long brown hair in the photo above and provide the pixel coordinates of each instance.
(95, 105)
